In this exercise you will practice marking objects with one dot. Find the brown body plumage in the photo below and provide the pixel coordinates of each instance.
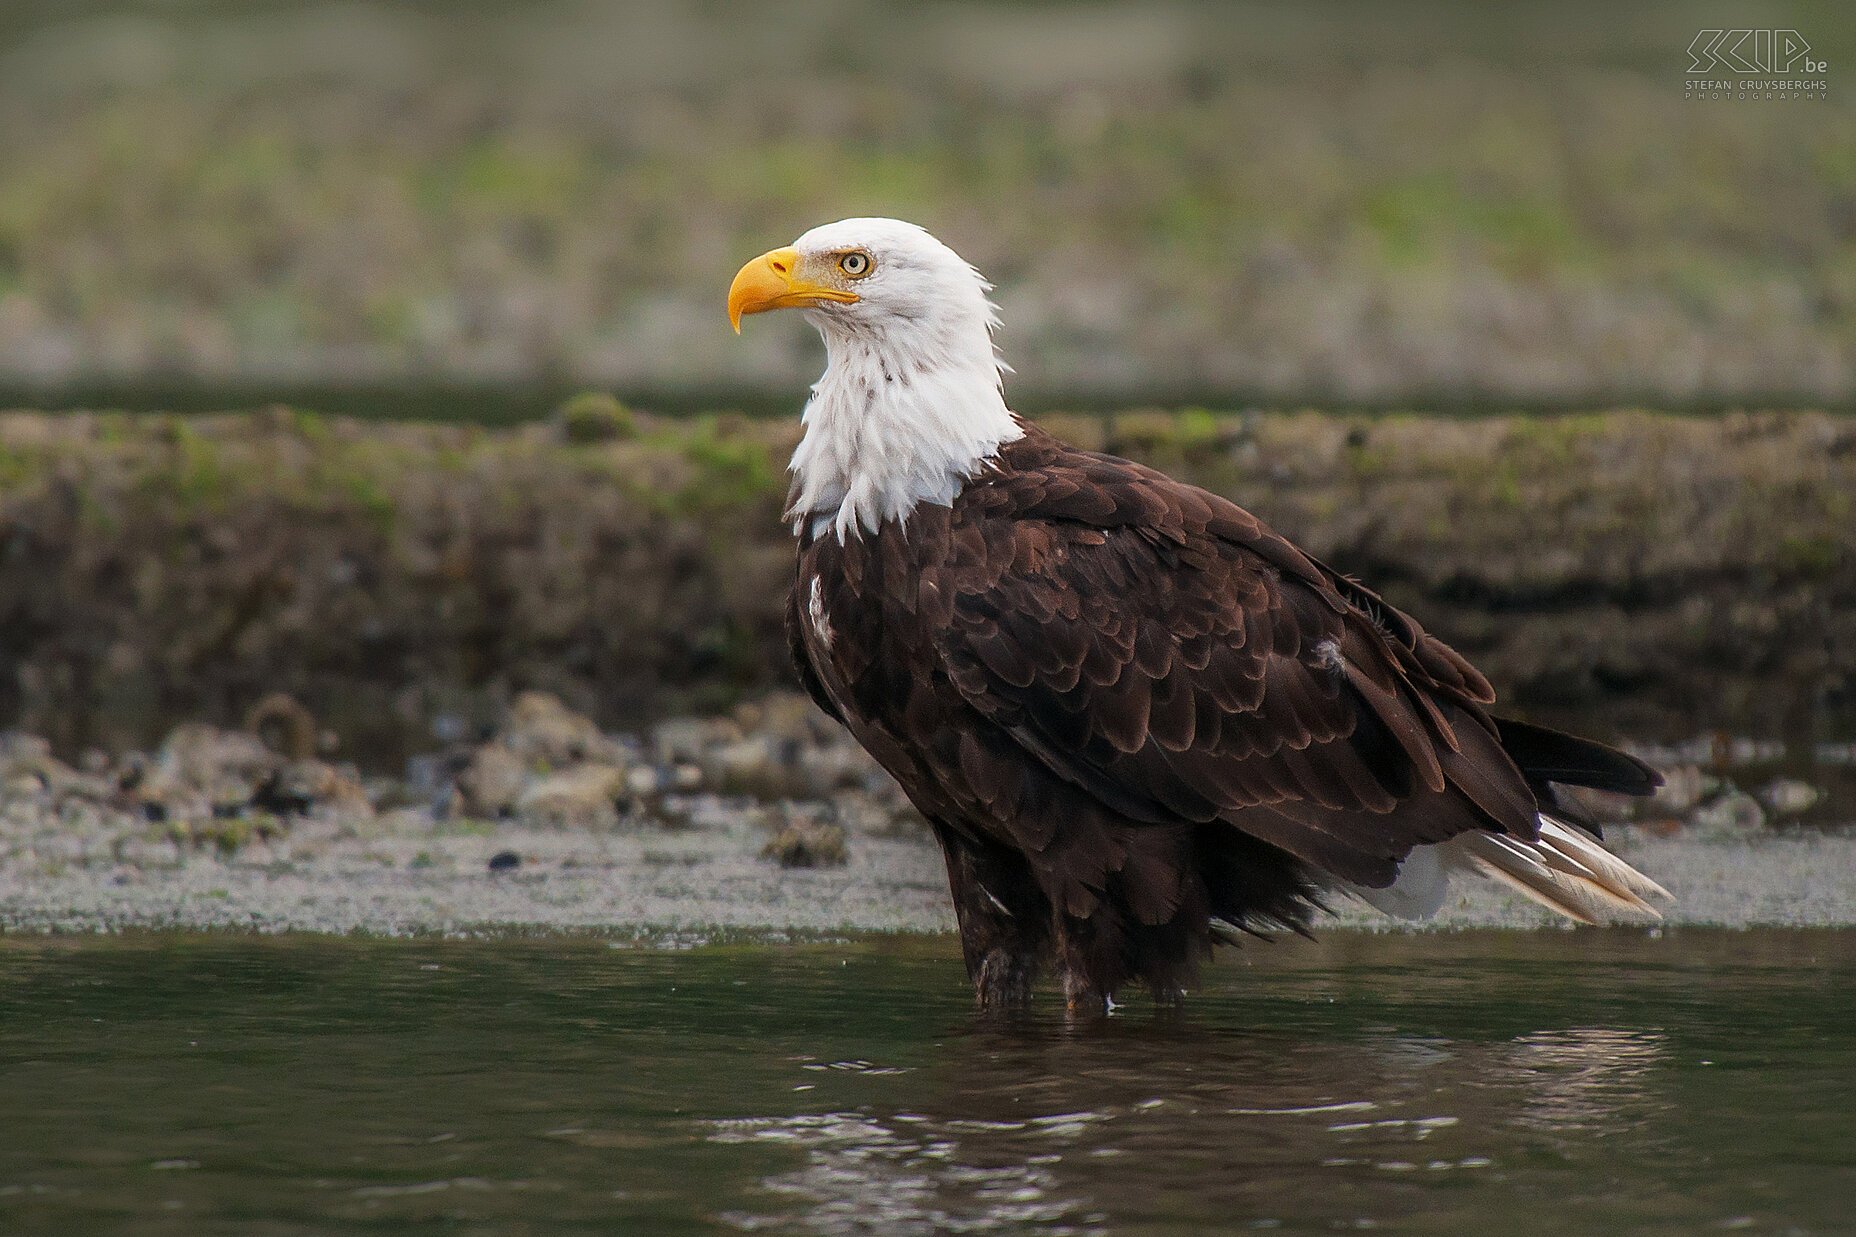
(1134, 714)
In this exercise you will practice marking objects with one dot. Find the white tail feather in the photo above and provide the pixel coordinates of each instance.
(1575, 843)
(1564, 870)
(1227, 932)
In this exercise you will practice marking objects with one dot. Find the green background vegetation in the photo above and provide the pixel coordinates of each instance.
(1505, 205)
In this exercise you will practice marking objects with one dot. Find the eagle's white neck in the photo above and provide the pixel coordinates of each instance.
(907, 411)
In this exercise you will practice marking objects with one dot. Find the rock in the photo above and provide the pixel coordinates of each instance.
(547, 762)
(504, 861)
(492, 781)
(807, 843)
(545, 734)
(686, 740)
(1732, 812)
(449, 728)
(27, 767)
(284, 726)
(1602, 806)
(1789, 797)
(787, 715)
(674, 812)
(1682, 788)
(298, 786)
(809, 755)
(748, 766)
(198, 769)
(428, 781)
(839, 766)
(221, 765)
(873, 816)
(17, 745)
(746, 757)
(586, 796)
(780, 746)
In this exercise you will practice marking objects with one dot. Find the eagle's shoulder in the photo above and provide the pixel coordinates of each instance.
(1039, 476)
(1041, 480)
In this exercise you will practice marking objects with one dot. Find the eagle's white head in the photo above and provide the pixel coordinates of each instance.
(910, 405)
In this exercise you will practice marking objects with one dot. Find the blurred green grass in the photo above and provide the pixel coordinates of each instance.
(1380, 205)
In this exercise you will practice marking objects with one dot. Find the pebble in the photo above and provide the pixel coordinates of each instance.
(1789, 797)
(805, 842)
(1682, 788)
(1733, 812)
(542, 732)
(490, 782)
(585, 796)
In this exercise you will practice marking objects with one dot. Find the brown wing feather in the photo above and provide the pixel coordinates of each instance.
(1163, 651)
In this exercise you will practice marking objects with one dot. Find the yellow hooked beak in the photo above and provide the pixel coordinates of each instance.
(772, 281)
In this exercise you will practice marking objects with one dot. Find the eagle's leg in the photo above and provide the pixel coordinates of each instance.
(1004, 921)
(1081, 997)
(1103, 953)
(1085, 994)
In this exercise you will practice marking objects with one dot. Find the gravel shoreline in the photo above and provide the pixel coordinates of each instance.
(672, 888)
(768, 823)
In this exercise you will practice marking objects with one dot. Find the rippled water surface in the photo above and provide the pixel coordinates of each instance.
(1547, 1082)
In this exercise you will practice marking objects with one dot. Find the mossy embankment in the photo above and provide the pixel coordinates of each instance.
(1657, 575)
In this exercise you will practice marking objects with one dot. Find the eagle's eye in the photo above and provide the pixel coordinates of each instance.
(854, 264)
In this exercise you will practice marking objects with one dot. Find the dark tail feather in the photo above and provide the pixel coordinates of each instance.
(1545, 755)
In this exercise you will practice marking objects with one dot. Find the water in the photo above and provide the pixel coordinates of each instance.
(1547, 1082)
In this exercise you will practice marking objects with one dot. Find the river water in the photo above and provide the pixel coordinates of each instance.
(1552, 1082)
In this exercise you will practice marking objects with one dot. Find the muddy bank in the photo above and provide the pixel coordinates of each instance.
(1648, 575)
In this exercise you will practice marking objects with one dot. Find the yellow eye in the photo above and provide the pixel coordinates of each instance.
(856, 265)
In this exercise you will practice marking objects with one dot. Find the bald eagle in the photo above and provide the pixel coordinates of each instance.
(1139, 721)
